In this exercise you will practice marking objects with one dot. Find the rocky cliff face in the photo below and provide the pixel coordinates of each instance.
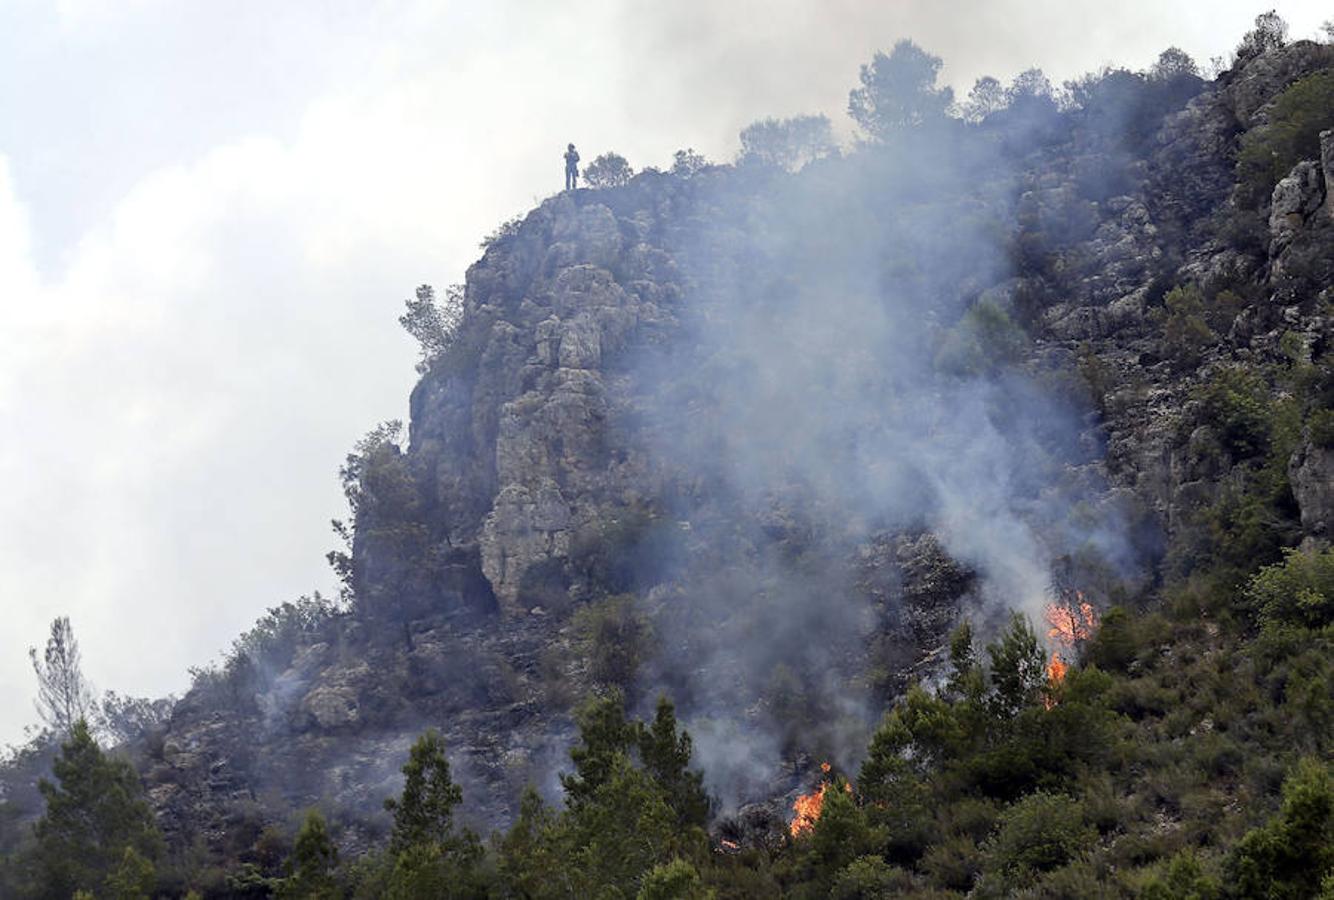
(776, 434)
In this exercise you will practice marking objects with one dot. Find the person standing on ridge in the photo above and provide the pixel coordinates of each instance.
(571, 167)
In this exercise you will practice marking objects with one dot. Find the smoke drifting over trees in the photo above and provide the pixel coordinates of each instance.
(775, 466)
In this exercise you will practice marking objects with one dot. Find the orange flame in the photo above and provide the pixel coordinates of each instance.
(729, 845)
(1071, 623)
(807, 807)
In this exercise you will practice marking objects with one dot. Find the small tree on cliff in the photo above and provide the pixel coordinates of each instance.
(95, 811)
(608, 170)
(1270, 33)
(433, 321)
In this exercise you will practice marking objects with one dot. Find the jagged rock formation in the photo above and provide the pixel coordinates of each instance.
(544, 472)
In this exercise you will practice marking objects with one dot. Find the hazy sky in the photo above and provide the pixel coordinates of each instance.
(210, 214)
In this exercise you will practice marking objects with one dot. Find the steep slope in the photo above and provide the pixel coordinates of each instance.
(757, 440)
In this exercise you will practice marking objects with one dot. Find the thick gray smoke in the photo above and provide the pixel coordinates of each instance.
(851, 370)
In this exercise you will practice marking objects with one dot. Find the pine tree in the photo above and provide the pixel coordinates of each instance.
(666, 757)
(1017, 667)
(313, 861)
(63, 696)
(605, 735)
(133, 879)
(431, 858)
(95, 811)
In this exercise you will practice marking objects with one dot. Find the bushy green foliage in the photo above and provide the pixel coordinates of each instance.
(430, 858)
(628, 825)
(787, 144)
(1183, 878)
(687, 163)
(1298, 591)
(899, 91)
(135, 878)
(433, 321)
(1289, 856)
(1017, 667)
(984, 341)
(1236, 403)
(1270, 33)
(95, 812)
(615, 638)
(1185, 332)
(1300, 113)
(1039, 833)
(665, 753)
(676, 880)
(312, 863)
(607, 171)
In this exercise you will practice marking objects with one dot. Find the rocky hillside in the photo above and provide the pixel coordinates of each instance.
(758, 440)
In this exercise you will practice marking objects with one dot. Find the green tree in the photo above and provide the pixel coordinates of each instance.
(623, 829)
(986, 97)
(687, 163)
(312, 864)
(871, 878)
(841, 833)
(615, 637)
(1297, 591)
(605, 736)
(1018, 668)
(133, 879)
(665, 754)
(63, 694)
(431, 858)
(608, 170)
(1270, 33)
(94, 812)
(1290, 855)
(787, 143)
(1174, 63)
(433, 321)
(898, 91)
(533, 857)
(1039, 833)
(676, 880)
(1183, 879)
(1268, 153)
(1185, 332)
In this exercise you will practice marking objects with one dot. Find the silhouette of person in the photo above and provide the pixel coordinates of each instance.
(571, 167)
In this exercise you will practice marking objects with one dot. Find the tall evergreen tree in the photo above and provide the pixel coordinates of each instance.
(605, 735)
(95, 811)
(431, 858)
(313, 861)
(63, 695)
(1018, 669)
(666, 757)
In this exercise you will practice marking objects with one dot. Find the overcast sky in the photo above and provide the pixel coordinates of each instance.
(210, 214)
